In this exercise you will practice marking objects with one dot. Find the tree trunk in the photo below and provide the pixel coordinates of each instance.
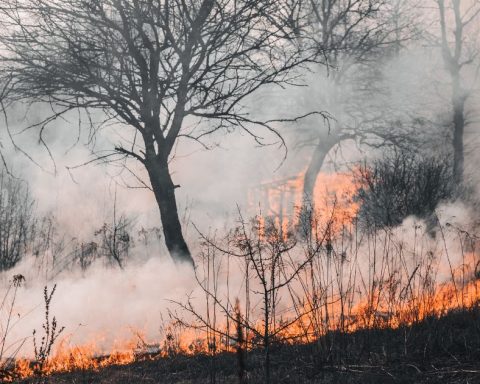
(164, 191)
(458, 103)
(324, 146)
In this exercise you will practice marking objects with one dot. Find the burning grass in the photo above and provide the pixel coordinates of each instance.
(442, 349)
(313, 282)
(314, 291)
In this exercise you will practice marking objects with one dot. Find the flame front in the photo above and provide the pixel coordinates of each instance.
(386, 283)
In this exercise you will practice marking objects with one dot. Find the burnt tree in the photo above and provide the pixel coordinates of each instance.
(163, 70)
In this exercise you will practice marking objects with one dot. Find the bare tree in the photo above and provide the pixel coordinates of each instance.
(458, 53)
(164, 70)
(354, 36)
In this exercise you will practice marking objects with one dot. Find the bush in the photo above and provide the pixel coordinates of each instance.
(399, 185)
(16, 220)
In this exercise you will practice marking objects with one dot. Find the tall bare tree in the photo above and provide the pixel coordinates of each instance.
(353, 36)
(458, 48)
(162, 69)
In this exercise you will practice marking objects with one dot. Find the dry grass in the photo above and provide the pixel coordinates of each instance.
(438, 350)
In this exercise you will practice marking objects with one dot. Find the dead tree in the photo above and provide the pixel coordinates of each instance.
(353, 36)
(458, 53)
(162, 70)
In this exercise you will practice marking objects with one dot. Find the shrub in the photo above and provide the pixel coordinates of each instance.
(16, 220)
(399, 185)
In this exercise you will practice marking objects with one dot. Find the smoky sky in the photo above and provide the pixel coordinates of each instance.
(212, 182)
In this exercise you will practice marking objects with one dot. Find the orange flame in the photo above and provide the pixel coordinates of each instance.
(283, 201)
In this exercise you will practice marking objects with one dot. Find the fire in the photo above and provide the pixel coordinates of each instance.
(90, 356)
(81, 357)
(445, 298)
(334, 202)
(282, 200)
(335, 192)
(323, 304)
